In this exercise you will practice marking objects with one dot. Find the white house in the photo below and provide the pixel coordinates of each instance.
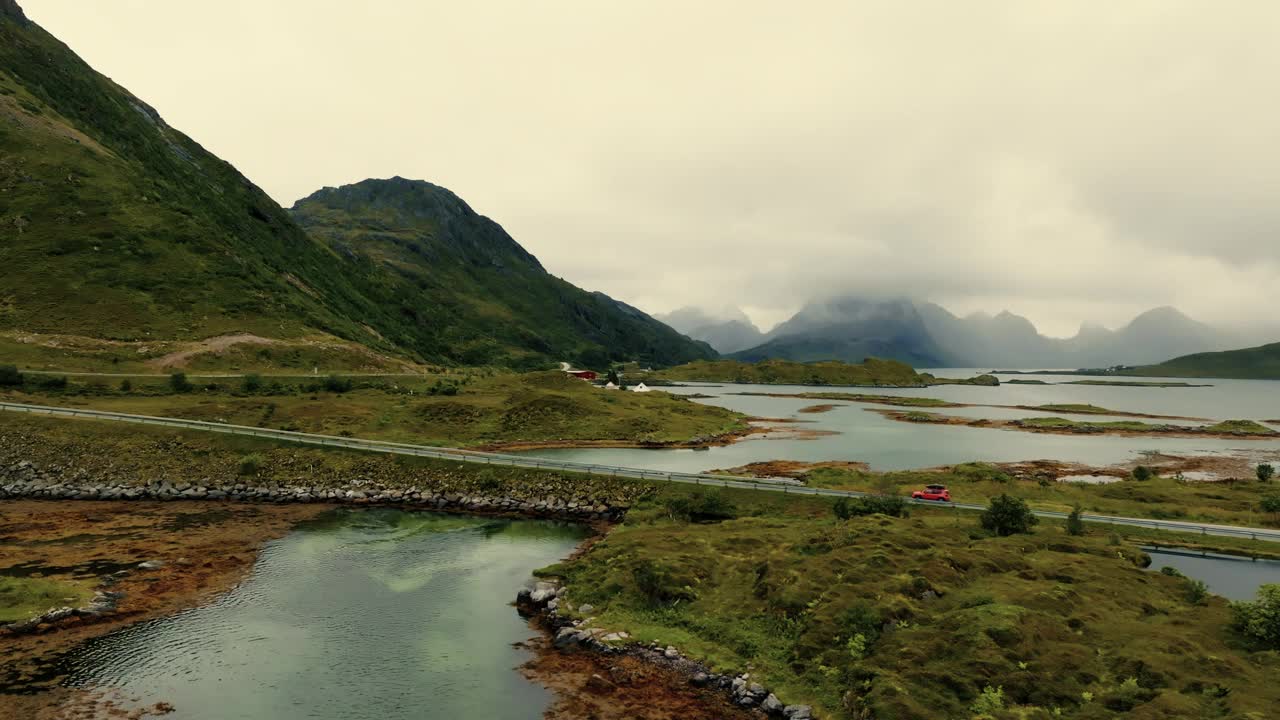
(610, 386)
(640, 388)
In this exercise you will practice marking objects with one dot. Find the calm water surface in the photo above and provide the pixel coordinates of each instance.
(891, 445)
(1231, 577)
(364, 615)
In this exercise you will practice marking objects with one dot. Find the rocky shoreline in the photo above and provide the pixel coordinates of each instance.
(543, 601)
(24, 480)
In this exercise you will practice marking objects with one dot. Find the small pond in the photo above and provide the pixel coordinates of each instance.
(1234, 578)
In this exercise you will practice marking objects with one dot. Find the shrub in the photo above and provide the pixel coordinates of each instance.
(659, 584)
(1142, 473)
(1260, 619)
(252, 383)
(1008, 515)
(707, 506)
(126, 385)
(1271, 504)
(1197, 591)
(46, 382)
(178, 382)
(892, 505)
(337, 384)
(1265, 472)
(991, 701)
(9, 376)
(1075, 526)
(250, 464)
(1171, 571)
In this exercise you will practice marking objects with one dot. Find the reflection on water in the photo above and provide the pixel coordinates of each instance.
(1231, 577)
(892, 445)
(364, 614)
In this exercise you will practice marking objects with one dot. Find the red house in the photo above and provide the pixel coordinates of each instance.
(583, 374)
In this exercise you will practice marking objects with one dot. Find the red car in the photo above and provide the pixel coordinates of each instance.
(932, 492)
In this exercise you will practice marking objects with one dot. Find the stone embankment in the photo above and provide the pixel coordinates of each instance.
(25, 480)
(544, 601)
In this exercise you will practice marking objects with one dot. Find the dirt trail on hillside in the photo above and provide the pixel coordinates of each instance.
(211, 345)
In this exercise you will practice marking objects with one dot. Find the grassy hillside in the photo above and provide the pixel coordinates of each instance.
(120, 229)
(491, 300)
(906, 618)
(1259, 363)
(873, 372)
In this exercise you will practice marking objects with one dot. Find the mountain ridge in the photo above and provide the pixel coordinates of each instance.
(123, 233)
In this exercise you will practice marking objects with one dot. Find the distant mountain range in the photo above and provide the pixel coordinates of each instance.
(927, 335)
(120, 231)
(728, 331)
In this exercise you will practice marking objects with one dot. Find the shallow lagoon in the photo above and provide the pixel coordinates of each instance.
(365, 614)
(867, 436)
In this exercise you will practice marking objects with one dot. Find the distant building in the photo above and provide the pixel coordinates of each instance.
(583, 374)
(610, 386)
(640, 388)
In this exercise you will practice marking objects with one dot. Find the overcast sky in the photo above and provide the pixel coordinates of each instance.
(1068, 161)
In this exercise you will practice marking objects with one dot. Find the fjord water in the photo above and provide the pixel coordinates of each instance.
(861, 434)
(364, 614)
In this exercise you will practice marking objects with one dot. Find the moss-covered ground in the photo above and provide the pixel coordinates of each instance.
(24, 597)
(902, 618)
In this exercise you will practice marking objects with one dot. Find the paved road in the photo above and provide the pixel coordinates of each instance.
(728, 481)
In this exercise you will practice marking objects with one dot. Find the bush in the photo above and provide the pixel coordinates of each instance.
(893, 505)
(1142, 473)
(1197, 591)
(126, 385)
(991, 701)
(1271, 504)
(1260, 619)
(178, 382)
(1075, 526)
(707, 506)
(9, 376)
(337, 384)
(47, 382)
(250, 464)
(1008, 515)
(659, 584)
(1265, 472)
(252, 383)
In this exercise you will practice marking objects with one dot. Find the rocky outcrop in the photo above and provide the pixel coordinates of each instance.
(25, 480)
(543, 600)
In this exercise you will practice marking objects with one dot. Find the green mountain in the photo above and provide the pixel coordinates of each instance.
(1258, 363)
(125, 239)
(453, 269)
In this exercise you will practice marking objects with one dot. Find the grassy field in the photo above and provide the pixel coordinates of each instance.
(873, 372)
(23, 597)
(1161, 498)
(450, 410)
(1231, 427)
(905, 618)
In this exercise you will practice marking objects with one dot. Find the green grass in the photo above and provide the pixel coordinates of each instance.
(897, 400)
(1232, 427)
(1061, 623)
(1073, 408)
(487, 408)
(872, 372)
(1162, 498)
(22, 598)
